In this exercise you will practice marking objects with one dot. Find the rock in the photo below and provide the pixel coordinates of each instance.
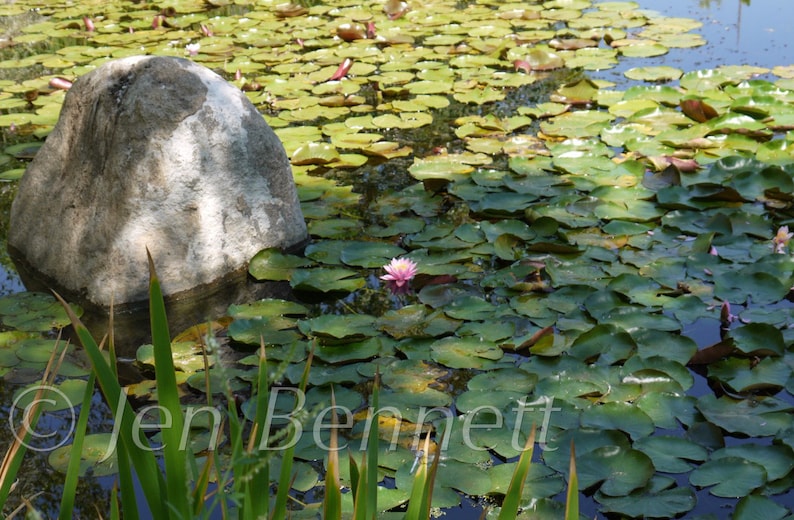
(157, 153)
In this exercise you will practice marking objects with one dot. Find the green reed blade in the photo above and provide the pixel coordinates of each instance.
(332, 503)
(137, 448)
(73, 469)
(515, 489)
(174, 453)
(572, 497)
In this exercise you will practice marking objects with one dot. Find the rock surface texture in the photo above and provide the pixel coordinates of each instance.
(157, 153)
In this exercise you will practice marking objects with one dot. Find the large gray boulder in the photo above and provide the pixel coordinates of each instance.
(157, 153)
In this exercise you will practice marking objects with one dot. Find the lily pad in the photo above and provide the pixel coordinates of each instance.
(660, 73)
(272, 264)
(327, 279)
(659, 499)
(369, 254)
(34, 312)
(730, 476)
(344, 328)
(97, 459)
(61, 396)
(465, 353)
(755, 416)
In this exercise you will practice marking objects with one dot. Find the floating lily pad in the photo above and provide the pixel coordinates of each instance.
(659, 499)
(314, 153)
(187, 356)
(729, 476)
(98, 457)
(34, 312)
(660, 73)
(369, 254)
(327, 280)
(465, 353)
(618, 416)
(340, 328)
(271, 264)
(672, 454)
(755, 416)
(61, 396)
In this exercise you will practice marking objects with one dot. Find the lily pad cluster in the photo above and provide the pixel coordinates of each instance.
(586, 301)
(611, 265)
(23, 351)
(329, 61)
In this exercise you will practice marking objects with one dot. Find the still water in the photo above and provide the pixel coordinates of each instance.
(738, 32)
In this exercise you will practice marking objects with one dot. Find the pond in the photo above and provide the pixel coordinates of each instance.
(596, 195)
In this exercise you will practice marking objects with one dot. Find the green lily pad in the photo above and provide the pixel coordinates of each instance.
(416, 321)
(97, 459)
(659, 499)
(659, 73)
(34, 312)
(314, 153)
(344, 328)
(668, 410)
(39, 350)
(186, 355)
(671, 454)
(506, 379)
(62, 396)
(366, 349)
(272, 264)
(215, 382)
(643, 50)
(369, 254)
(404, 120)
(758, 339)
(327, 279)
(465, 353)
(756, 506)
(755, 416)
(619, 470)
(271, 331)
(746, 375)
(268, 308)
(730, 476)
(777, 460)
(541, 481)
(618, 416)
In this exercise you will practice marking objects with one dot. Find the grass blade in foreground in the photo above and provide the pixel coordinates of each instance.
(73, 470)
(175, 454)
(332, 504)
(137, 449)
(419, 502)
(371, 496)
(513, 497)
(126, 478)
(572, 497)
(16, 452)
(260, 502)
(285, 478)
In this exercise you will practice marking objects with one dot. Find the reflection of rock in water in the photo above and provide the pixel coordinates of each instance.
(131, 324)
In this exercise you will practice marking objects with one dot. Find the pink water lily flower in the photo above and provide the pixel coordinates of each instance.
(781, 239)
(400, 271)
